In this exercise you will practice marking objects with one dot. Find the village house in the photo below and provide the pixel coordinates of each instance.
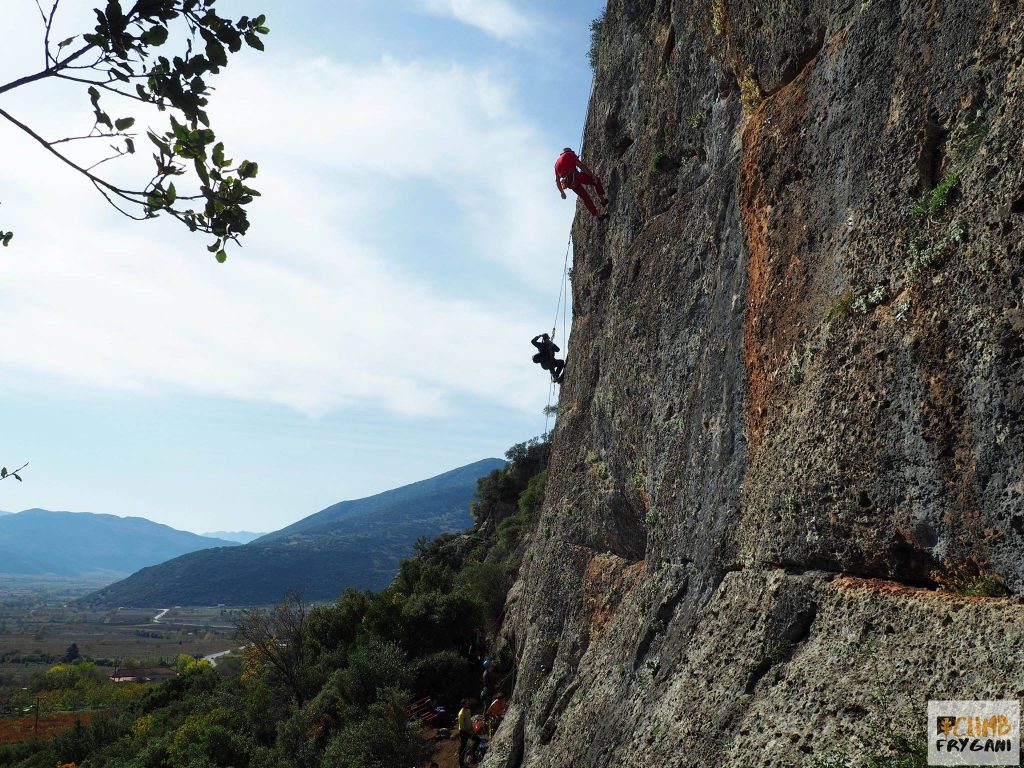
(142, 674)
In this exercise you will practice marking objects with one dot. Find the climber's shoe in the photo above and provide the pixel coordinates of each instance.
(604, 201)
(604, 217)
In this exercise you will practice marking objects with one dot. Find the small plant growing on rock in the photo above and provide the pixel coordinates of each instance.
(933, 202)
(659, 162)
(779, 652)
(969, 578)
(718, 17)
(750, 92)
(902, 310)
(610, 594)
(922, 257)
(640, 483)
(841, 307)
(972, 136)
(850, 303)
(697, 119)
(862, 305)
(792, 507)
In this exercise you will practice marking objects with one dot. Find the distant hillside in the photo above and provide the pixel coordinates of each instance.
(37, 542)
(352, 544)
(241, 537)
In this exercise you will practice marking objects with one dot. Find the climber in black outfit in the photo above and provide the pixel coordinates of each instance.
(546, 357)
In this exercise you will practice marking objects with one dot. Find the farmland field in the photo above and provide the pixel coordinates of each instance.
(38, 627)
(43, 632)
(17, 729)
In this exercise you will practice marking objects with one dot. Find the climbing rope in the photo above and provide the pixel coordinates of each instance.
(563, 291)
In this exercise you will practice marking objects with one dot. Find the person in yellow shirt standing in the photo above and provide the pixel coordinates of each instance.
(465, 724)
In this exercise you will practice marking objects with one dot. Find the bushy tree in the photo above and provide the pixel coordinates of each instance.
(446, 676)
(208, 740)
(279, 638)
(384, 739)
(375, 665)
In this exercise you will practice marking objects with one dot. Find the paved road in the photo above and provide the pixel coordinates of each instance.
(212, 658)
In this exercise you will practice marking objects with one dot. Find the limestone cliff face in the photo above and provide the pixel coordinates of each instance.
(789, 398)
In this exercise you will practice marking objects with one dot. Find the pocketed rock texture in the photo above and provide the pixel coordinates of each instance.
(793, 402)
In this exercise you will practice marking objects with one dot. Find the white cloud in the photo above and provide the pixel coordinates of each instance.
(396, 123)
(317, 312)
(498, 18)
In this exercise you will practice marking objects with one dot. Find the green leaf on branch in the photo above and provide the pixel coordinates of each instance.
(155, 36)
(248, 170)
(216, 54)
(162, 145)
(218, 155)
(124, 123)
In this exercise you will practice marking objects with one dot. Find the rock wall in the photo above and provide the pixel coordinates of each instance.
(794, 392)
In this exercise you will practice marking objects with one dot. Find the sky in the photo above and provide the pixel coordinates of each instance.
(374, 328)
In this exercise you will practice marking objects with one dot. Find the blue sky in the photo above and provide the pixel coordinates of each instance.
(375, 328)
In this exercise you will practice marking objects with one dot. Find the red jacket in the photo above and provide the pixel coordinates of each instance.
(566, 163)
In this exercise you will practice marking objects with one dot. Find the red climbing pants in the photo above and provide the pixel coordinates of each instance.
(577, 182)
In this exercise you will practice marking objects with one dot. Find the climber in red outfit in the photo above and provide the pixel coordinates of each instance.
(571, 173)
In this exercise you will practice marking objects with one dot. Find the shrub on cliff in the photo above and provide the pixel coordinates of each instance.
(595, 40)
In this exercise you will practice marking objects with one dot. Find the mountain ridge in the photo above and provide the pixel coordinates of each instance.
(355, 543)
(239, 537)
(38, 541)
